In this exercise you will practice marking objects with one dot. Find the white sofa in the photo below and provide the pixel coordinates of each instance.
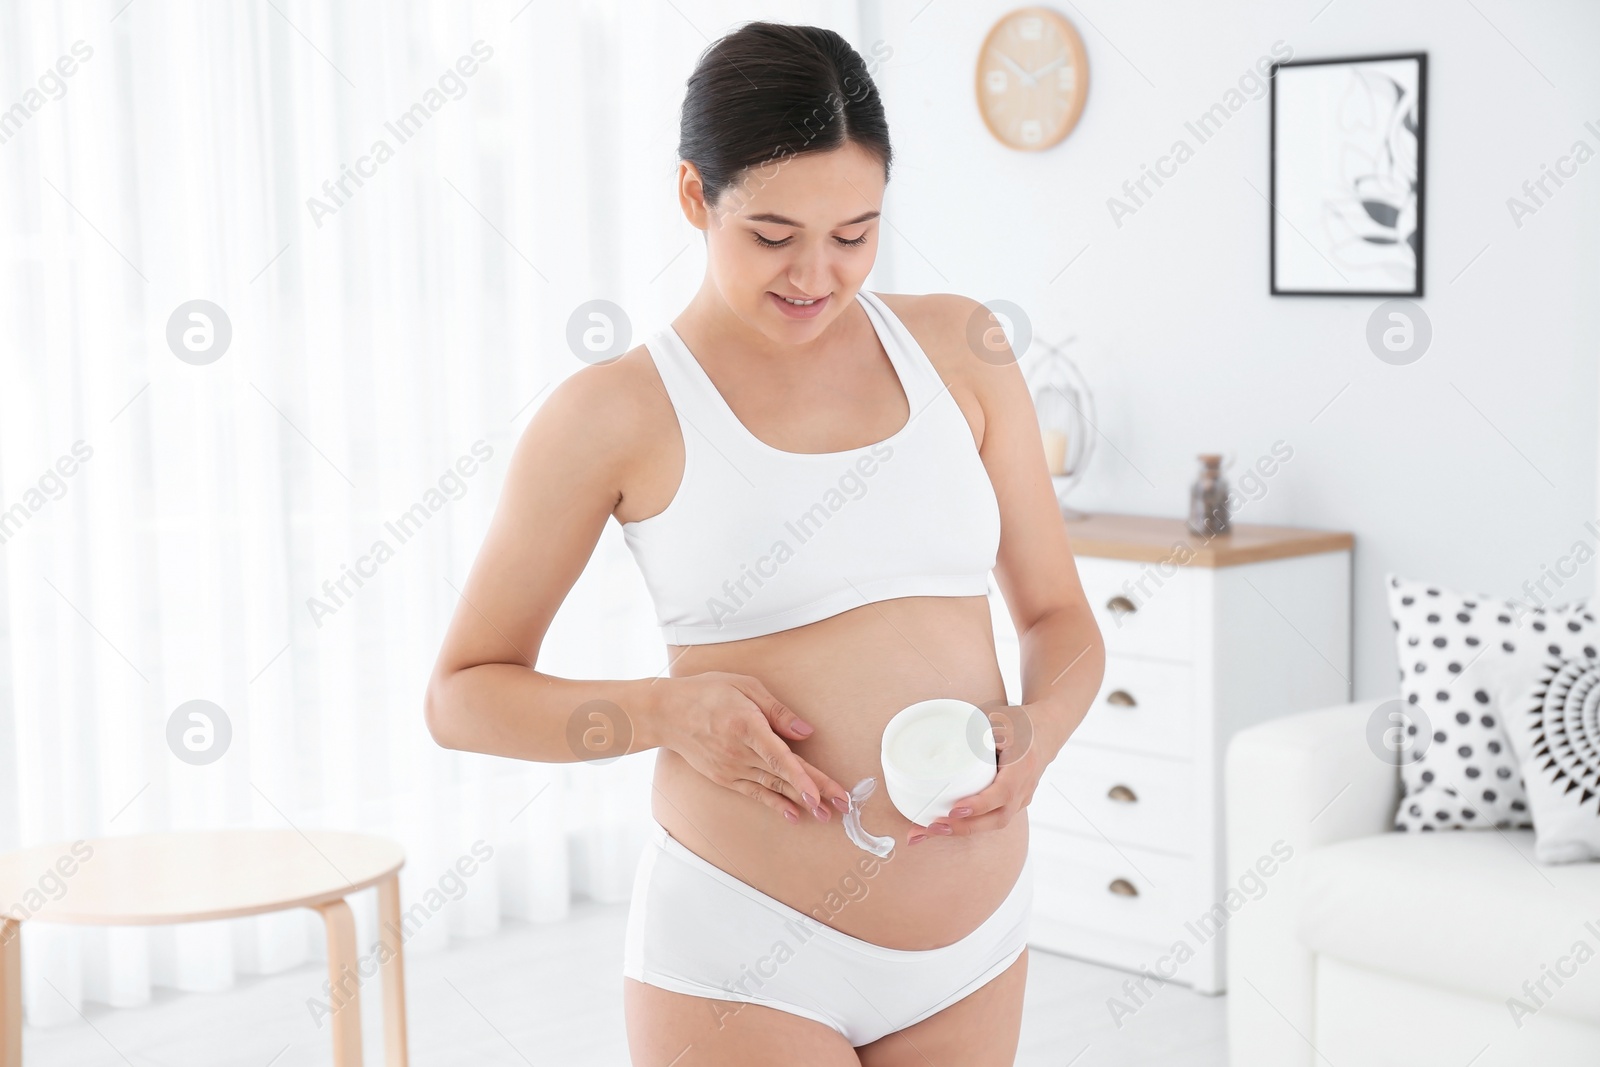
(1369, 947)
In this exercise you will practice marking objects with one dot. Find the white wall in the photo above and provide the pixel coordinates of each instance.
(1474, 467)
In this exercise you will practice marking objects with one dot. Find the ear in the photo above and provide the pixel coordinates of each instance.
(692, 196)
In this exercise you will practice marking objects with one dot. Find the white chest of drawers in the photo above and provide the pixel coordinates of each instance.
(1203, 638)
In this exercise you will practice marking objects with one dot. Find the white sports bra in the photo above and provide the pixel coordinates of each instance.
(759, 540)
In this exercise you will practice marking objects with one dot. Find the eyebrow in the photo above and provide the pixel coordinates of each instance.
(782, 220)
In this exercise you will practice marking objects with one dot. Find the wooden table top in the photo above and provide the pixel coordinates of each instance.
(189, 876)
(1154, 539)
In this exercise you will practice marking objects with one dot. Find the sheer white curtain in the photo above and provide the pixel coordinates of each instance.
(396, 315)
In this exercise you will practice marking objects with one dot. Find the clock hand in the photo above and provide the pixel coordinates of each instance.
(1027, 79)
(1048, 67)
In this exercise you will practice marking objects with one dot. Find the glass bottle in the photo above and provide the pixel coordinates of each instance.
(1208, 499)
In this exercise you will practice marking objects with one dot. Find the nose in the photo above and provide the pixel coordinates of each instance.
(811, 273)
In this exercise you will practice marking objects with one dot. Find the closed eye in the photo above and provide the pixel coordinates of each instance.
(855, 241)
(767, 242)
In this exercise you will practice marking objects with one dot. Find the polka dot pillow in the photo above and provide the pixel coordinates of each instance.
(1465, 661)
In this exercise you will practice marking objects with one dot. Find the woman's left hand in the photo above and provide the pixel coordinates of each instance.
(1021, 763)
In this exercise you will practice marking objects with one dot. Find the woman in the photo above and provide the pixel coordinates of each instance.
(816, 482)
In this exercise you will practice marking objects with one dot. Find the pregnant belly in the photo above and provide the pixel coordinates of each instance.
(847, 676)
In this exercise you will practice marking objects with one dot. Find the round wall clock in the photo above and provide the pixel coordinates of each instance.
(1033, 77)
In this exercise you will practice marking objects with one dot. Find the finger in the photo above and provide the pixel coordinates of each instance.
(991, 808)
(1001, 791)
(774, 782)
(997, 819)
(783, 720)
(824, 789)
(761, 794)
(832, 792)
(769, 753)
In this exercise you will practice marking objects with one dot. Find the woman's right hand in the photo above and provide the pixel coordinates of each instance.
(732, 730)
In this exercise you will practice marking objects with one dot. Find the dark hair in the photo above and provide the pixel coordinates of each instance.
(767, 92)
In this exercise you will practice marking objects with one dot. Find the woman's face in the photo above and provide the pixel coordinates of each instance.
(790, 243)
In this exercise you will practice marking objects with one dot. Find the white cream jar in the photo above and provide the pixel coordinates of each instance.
(934, 753)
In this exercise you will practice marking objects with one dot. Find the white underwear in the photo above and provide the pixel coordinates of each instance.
(694, 928)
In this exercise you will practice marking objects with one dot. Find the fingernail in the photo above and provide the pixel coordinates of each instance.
(791, 816)
(915, 838)
(841, 804)
(821, 813)
(802, 728)
(960, 812)
(941, 828)
(810, 800)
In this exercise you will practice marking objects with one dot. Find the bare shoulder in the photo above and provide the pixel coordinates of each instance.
(626, 386)
(937, 318)
(602, 415)
(931, 306)
(960, 335)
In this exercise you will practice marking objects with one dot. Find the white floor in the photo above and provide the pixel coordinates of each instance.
(552, 995)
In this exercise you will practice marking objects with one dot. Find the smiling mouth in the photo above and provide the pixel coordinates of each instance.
(799, 308)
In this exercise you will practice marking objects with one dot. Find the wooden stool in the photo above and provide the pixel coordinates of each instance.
(197, 876)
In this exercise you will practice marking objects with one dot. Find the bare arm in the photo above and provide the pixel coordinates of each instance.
(565, 479)
(1063, 651)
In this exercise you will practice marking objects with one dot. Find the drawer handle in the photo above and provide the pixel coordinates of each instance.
(1120, 605)
(1123, 888)
(1122, 795)
(1121, 698)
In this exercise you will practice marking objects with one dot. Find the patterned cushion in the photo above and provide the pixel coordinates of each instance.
(1555, 729)
(1465, 660)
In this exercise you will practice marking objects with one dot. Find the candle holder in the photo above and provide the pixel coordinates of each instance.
(1065, 408)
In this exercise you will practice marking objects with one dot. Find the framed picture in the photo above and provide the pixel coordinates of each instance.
(1348, 145)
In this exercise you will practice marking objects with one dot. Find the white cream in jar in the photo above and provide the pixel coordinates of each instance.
(934, 753)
